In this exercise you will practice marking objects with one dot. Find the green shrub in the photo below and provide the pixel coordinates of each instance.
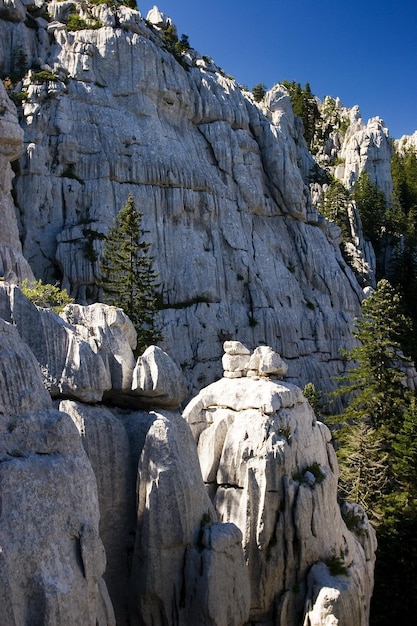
(75, 22)
(43, 76)
(46, 296)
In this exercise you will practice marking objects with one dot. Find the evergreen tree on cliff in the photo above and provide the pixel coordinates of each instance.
(128, 279)
(377, 450)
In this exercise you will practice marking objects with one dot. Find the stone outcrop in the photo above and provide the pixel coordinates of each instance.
(407, 142)
(270, 468)
(52, 557)
(366, 148)
(133, 534)
(233, 231)
(86, 353)
(130, 533)
(12, 263)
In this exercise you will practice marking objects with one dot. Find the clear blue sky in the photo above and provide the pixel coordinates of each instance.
(363, 51)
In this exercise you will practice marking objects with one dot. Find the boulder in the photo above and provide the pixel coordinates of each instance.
(114, 336)
(265, 362)
(157, 381)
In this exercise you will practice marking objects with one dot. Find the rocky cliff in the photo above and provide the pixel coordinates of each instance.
(106, 517)
(241, 253)
(117, 507)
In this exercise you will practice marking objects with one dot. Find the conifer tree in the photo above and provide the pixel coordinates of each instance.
(372, 206)
(365, 474)
(128, 279)
(377, 451)
(335, 207)
(375, 380)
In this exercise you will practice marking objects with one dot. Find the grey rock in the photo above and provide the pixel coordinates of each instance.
(106, 443)
(52, 558)
(271, 469)
(21, 383)
(70, 365)
(203, 581)
(158, 381)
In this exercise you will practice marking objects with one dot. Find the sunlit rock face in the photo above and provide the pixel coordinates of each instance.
(270, 469)
(234, 236)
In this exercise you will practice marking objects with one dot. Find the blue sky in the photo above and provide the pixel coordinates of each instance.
(364, 52)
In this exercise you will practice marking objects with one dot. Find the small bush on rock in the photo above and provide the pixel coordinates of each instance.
(46, 295)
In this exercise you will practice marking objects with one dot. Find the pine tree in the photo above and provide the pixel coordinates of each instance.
(259, 92)
(372, 206)
(364, 467)
(375, 381)
(378, 451)
(335, 207)
(395, 591)
(128, 279)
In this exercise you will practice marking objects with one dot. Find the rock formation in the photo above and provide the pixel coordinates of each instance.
(234, 235)
(270, 469)
(116, 509)
(106, 518)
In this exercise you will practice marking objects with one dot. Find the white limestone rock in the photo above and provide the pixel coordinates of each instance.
(265, 362)
(183, 563)
(406, 142)
(11, 146)
(366, 148)
(105, 441)
(21, 382)
(235, 359)
(70, 365)
(271, 469)
(52, 558)
(158, 381)
(112, 333)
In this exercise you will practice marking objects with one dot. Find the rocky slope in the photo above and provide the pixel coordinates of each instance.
(105, 516)
(239, 247)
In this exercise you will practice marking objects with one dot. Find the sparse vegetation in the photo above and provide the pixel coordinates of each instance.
(46, 296)
(259, 92)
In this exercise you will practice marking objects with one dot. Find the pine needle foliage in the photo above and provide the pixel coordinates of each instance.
(128, 278)
(375, 381)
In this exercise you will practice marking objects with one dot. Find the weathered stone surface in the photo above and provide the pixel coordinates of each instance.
(114, 335)
(158, 381)
(52, 558)
(271, 469)
(406, 142)
(207, 166)
(106, 443)
(265, 362)
(179, 554)
(367, 148)
(21, 383)
(70, 365)
(12, 262)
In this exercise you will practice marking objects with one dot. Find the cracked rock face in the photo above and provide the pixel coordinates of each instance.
(270, 469)
(233, 232)
(52, 558)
